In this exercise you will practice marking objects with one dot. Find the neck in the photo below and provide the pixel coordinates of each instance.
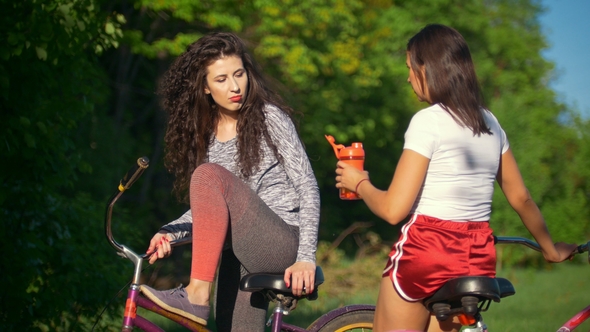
(226, 126)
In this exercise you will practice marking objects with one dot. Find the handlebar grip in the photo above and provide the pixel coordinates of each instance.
(134, 173)
(174, 243)
(582, 248)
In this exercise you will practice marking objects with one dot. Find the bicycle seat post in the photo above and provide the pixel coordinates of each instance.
(276, 319)
(480, 326)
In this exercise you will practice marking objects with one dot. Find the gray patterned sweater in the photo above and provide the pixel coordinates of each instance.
(290, 189)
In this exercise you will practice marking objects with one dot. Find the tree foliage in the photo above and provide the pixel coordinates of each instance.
(77, 81)
(53, 264)
(341, 63)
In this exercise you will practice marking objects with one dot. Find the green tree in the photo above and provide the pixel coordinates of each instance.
(78, 105)
(342, 64)
(53, 263)
(309, 50)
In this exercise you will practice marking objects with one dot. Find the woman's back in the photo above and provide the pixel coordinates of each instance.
(460, 179)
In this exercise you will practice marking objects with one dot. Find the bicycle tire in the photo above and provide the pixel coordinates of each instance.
(357, 321)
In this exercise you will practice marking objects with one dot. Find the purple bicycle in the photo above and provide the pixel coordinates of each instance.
(272, 286)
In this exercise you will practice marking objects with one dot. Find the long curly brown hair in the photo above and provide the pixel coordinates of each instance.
(193, 115)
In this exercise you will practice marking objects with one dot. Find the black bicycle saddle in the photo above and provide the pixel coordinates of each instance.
(484, 288)
(255, 282)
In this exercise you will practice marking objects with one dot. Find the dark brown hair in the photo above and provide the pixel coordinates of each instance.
(441, 54)
(193, 114)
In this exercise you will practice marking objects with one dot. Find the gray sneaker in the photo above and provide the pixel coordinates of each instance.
(176, 301)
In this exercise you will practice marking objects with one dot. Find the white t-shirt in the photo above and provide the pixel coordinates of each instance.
(460, 178)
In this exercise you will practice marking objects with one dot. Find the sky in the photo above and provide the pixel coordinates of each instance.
(566, 24)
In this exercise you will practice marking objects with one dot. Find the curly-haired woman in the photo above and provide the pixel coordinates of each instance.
(254, 200)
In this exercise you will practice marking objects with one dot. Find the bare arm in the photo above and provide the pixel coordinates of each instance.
(394, 204)
(518, 196)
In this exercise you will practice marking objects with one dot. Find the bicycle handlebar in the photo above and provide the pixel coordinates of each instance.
(582, 248)
(126, 182)
(134, 173)
(517, 240)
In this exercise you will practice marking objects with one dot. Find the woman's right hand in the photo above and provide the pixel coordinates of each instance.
(159, 246)
(348, 176)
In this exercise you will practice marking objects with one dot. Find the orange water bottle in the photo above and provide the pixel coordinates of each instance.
(353, 155)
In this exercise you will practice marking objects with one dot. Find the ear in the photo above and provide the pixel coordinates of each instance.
(207, 91)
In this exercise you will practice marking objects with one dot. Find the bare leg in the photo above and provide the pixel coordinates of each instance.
(198, 291)
(395, 313)
(450, 325)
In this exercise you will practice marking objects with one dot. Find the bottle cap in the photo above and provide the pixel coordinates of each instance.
(355, 150)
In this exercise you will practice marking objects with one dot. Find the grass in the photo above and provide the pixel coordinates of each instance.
(544, 299)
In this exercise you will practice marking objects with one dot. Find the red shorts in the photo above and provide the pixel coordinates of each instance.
(431, 251)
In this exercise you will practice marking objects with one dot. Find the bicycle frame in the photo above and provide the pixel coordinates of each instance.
(134, 300)
(278, 324)
(576, 321)
(130, 317)
(581, 316)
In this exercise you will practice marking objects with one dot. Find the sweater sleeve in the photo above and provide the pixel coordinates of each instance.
(298, 169)
(181, 227)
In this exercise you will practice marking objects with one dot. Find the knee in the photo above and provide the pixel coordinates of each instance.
(207, 171)
(209, 176)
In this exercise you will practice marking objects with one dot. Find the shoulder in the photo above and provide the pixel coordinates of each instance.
(274, 111)
(432, 110)
(491, 121)
(429, 114)
(425, 123)
(490, 118)
(276, 117)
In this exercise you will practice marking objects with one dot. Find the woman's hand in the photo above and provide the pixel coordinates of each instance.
(159, 246)
(300, 276)
(348, 176)
(564, 252)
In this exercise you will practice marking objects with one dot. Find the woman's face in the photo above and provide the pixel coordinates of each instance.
(227, 82)
(421, 92)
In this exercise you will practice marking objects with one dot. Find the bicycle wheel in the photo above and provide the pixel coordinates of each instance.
(354, 321)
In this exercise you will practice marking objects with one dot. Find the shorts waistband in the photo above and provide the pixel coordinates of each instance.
(449, 224)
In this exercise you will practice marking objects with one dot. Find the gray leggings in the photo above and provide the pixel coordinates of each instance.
(259, 241)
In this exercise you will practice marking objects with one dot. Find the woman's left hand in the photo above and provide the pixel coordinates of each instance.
(300, 276)
(564, 252)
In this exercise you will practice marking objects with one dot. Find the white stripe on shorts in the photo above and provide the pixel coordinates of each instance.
(399, 246)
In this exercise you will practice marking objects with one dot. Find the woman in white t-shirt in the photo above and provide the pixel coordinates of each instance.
(454, 150)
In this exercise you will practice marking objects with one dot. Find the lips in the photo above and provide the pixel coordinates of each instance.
(236, 99)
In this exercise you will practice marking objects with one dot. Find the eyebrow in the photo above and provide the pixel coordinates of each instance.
(225, 75)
